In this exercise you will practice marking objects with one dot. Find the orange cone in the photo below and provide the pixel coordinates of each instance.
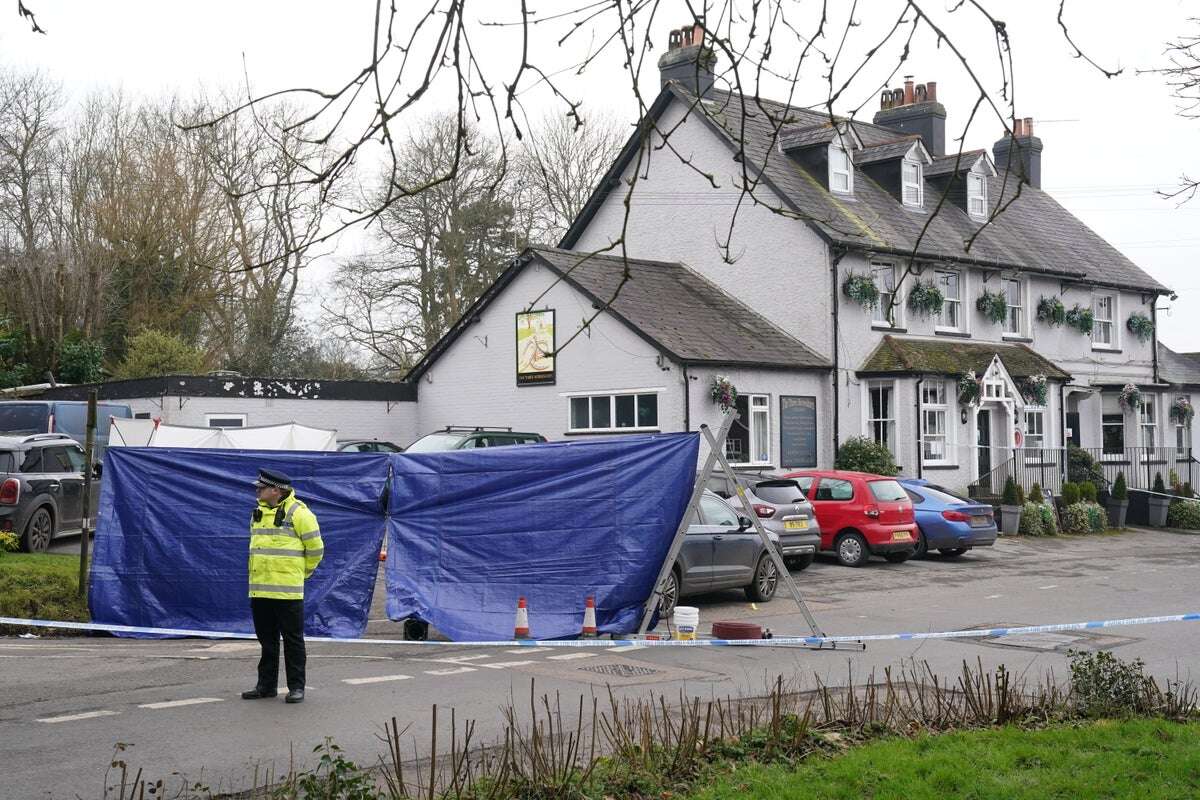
(521, 628)
(589, 619)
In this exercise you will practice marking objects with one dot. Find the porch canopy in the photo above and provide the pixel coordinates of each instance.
(907, 356)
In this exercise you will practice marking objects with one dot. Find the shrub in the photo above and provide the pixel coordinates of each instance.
(9, 543)
(1097, 517)
(1158, 484)
(1187, 490)
(79, 359)
(1020, 495)
(1087, 492)
(1075, 519)
(1082, 467)
(1009, 497)
(1119, 489)
(1031, 520)
(1049, 523)
(861, 454)
(151, 353)
(1184, 515)
(1070, 493)
(1103, 685)
(1035, 494)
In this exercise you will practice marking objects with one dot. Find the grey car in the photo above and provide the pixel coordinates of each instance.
(41, 488)
(721, 550)
(783, 508)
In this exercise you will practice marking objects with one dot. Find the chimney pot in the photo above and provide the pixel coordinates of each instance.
(1018, 127)
(908, 90)
(931, 91)
(1029, 126)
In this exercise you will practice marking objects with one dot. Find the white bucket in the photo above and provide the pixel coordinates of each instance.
(686, 621)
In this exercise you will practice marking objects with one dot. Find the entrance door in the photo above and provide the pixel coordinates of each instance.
(1073, 428)
(983, 442)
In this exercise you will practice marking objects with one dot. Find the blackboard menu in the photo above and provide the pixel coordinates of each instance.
(797, 431)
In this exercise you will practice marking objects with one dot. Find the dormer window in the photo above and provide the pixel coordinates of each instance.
(977, 202)
(913, 186)
(841, 172)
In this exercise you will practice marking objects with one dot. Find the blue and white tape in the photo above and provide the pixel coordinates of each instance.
(979, 633)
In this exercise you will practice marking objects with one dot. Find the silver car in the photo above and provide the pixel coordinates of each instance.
(720, 551)
(783, 508)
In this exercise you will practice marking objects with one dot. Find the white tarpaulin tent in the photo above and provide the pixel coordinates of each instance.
(288, 436)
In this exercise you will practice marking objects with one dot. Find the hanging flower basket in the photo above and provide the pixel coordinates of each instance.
(1182, 411)
(1131, 397)
(1051, 311)
(925, 299)
(1140, 326)
(968, 389)
(1081, 319)
(1034, 389)
(724, 393)
(861, 289)
(993, 306)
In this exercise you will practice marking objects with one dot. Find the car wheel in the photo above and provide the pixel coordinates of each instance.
(800, 563)
(898, 558)
(953, 552)
(670, 595)
(852, 550)
(415, 630)
(38, 532)
(766, 580)
(922, 548)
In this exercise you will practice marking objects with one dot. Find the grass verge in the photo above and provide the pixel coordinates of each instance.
(40, 585)
(1134, 758)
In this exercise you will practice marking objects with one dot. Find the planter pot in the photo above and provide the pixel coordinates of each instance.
(1116, 513)
(1010, 520)
(1158, 510)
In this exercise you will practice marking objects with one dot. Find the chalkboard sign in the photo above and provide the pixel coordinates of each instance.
(797, 431)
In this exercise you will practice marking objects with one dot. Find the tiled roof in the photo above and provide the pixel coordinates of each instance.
(951, 357)
(807, 136)
(681, 311)
(949, 164)
(1180, 368)
(884, 152)
(1034, 232)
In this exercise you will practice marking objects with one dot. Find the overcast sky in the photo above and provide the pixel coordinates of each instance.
(1109, 144)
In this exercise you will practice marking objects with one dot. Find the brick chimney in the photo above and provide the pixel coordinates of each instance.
(1023, 150)
(915, 109)
(687, 61)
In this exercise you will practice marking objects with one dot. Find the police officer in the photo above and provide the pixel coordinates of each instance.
(285, 549)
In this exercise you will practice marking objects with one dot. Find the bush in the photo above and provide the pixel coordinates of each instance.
(1049, 523)
(861, 454)
(1031, 520)
(1070, 494)
(1075, 519)
(79, 359)
(9, 543)
(1087, 492)
(1184, 515)
(152, 353)
(1158, 484)
(1187, 490)
(1020, 495)
(1097, 517)
(1119, 490)
(1082, 467)
(1010, 496)
(1104, 686)
(1035, 494)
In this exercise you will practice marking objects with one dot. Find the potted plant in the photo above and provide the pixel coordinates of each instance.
(1140, 326)
(968, 389)
(1010, 509)
(1081, 319)
(1051, 311)
(1159, 502)
(1182, 411)
(993, 306)
(1118, 502)
(1034, 389)
(1130, 397)
(723, 392)
(925, 299)
(861, 289)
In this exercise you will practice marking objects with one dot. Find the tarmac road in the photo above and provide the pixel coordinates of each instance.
(66, 703)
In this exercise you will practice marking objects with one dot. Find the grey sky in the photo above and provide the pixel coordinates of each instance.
(1109, 144)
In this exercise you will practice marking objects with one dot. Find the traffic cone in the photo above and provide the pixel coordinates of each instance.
(521, 628)
(589, 619)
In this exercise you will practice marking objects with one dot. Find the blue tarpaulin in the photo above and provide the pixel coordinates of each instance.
(471, 531)
(173, 535)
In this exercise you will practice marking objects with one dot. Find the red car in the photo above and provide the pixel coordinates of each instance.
(860, 514)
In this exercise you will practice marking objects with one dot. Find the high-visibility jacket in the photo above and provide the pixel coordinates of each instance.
(285, 548)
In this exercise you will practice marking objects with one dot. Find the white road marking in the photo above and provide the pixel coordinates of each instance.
(1051, 586)
(626, 648)
(226, 647)
(376, 679)
(570, 656)
(993, 596)
(76, 717)
(456, 659)
(455, 671)
(194, 701)
(505, 664)
(524, 651)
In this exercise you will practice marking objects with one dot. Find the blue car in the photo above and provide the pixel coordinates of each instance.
(950, 524)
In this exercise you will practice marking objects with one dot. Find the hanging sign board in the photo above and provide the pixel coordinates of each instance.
(797, 431)
(535, 348)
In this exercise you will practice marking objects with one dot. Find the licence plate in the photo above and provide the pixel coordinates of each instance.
(795, 525)
(899, 536)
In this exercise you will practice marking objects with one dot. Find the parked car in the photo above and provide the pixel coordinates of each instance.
(860, 515)
(721, 550)
(784, 510)
(452, 438)
(41, 488)
(950, 524)
(367, 446)
(27, 417)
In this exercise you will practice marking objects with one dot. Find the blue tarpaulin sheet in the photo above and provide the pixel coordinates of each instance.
(173, 536)
(471, 531)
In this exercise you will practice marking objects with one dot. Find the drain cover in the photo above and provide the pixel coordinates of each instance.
(621, 670)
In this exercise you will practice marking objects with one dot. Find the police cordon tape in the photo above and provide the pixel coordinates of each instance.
(978, 633)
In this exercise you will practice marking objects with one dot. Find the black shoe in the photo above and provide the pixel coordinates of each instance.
(294, 696)
(259, 694)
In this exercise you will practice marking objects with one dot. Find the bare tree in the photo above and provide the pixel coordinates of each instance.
(1182, 74)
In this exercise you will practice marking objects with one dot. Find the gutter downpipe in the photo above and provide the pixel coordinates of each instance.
(837, 373)
(687, 400)
(1154, 324)
(920, 465)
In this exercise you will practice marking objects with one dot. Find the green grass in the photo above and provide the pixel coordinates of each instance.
(40, 585)
(1134, 758)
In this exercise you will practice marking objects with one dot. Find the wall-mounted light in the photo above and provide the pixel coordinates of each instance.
(962, 415)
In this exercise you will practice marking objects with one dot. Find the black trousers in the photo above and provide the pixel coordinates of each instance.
(274, 619)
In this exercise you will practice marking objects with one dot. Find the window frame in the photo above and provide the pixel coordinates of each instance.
(977, 192)
(940, 324)
(1109, 420)
(612, 396)
(1147, 421)
(878, 312)
(754, 414)
(208, 420)
(889, 422)
(1113, 342)
(1021, 315)
(939, 407)
(917, 184)
(837, 147)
